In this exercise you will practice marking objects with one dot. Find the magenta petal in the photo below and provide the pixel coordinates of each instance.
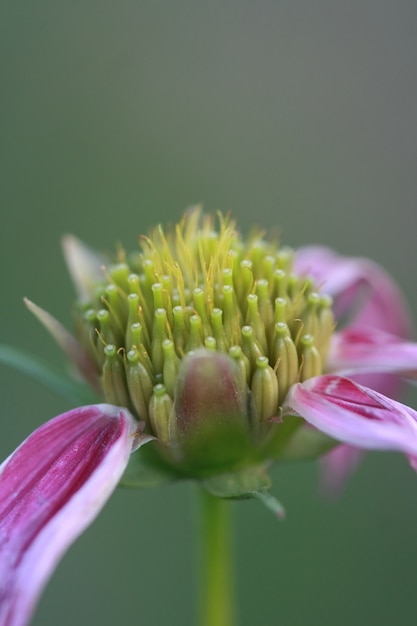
(360, 288)
(354, 414)
(51, 488)
(337, 466)
(366, 350)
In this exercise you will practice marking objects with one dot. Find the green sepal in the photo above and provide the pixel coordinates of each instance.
(239, 485)
(271, 503)
(251, 482)
(35, 368)
(291, 439)
(305, 443)
(144, 471)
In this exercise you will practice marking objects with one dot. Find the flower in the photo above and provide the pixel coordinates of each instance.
(224, 355)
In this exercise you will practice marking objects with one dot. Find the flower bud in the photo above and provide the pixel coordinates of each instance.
(264, 390)
(171, 366)
(114, 380)
(139, 383)
(310, 358)
(210, 421)
(160, 406)
(285, 359)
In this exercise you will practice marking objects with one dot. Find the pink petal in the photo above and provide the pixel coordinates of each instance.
(368, 350)
(354, 414)
(85, 266)
(337, 466)
(360, 287)
(68, 344)
(51, 488)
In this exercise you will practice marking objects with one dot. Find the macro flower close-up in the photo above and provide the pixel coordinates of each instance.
(212, 356)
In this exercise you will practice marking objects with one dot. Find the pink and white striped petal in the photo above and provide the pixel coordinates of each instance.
(353, 414)
(361, 289)
(357, 351)
(51, 488)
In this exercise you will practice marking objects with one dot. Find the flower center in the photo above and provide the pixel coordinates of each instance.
(200, 285)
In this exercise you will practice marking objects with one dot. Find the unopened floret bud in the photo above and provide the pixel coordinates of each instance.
(210, 421)
(160, 406)
(264, 390)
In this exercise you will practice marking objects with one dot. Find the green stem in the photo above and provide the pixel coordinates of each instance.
(217, 581)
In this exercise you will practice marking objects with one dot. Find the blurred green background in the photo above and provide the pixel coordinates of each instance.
(301, 115)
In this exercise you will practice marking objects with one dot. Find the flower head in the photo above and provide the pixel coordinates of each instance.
(201, 335)
(228, 354)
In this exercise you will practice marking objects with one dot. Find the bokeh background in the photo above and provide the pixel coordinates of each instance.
(297, 115)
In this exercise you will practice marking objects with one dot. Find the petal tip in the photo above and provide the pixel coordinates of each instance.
(84, 265)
